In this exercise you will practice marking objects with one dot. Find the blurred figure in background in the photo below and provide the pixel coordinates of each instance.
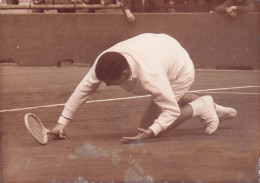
(212, 4)
(91, 2)
(155, 6)
(37, 2)
(51, 2)
(12, 2)
(192, 5)
(232, 7)
(72, 10)
(66, 10)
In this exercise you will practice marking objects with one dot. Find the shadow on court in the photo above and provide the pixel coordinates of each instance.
(93, 152)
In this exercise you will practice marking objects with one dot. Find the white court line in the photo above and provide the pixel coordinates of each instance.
(230, 88)
(227, 70)
(143, 96)
(233, 93)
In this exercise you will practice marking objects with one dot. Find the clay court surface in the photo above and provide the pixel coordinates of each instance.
(93, 152)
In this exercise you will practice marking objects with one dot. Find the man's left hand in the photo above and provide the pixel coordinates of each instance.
(58, 131)
(142, 135)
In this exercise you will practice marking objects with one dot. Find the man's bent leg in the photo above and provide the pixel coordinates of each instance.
(187, 98)
(186, 113)
(224, 113)
(202, 107)
(153, 112)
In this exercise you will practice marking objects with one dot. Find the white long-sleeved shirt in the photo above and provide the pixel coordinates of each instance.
(158, 65)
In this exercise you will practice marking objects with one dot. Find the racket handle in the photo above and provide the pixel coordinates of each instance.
(56, 135)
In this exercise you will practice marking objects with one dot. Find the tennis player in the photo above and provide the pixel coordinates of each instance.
(154, 64)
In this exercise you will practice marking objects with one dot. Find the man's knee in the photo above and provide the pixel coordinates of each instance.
(187, 98)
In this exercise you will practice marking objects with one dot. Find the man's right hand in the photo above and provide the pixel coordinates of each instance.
(58, 131)
(130, 17)
(231, 9)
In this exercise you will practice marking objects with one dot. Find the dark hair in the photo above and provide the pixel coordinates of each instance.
(110, 66)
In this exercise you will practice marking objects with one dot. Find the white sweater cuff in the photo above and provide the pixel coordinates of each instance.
(156, 128)
(63, 120)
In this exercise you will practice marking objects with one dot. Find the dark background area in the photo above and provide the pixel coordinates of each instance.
(212, 40)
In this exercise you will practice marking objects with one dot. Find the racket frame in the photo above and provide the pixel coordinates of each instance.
(44, 130)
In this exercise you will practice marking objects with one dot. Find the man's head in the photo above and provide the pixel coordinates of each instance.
(112, 68)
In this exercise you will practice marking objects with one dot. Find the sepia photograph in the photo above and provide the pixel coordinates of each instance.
(130, 91)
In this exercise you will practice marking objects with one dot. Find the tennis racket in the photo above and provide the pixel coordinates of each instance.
(36, 128)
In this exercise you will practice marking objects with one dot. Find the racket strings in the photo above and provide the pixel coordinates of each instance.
(37, 129)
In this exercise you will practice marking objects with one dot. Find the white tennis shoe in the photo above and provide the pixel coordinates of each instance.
(225, 113)
(209, 115)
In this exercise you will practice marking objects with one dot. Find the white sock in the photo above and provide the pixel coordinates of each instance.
(196, 107)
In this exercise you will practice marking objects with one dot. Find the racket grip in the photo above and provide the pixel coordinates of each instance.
(59, 136)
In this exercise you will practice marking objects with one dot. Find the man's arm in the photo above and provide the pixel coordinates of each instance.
(163, 96)
(250, 7)
(228, 7)
(127, 8)
(86, 87)
(223, 7)
(127, 4)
